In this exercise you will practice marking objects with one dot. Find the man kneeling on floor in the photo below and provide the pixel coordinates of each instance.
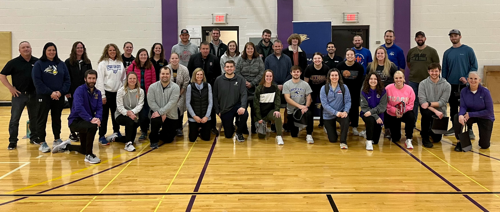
(84, 118)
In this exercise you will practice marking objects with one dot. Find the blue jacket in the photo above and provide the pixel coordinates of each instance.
(333, 103)
(396, 56)
(457, 63)
(280, 67)
(49, 76)
(86, 105)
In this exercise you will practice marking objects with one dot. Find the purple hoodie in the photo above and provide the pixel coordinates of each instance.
(374, 103)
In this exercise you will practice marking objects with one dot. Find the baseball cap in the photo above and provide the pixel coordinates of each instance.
(420, 33)
(184, 31)
(455, 31)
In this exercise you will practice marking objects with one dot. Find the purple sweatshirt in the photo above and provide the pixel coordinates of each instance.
(86, 105)
(479, 105)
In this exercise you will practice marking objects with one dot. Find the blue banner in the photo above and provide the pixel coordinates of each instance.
(315, 36)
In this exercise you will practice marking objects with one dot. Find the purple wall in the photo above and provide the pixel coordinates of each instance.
(285, 18)
(169, 25)
(402, 27)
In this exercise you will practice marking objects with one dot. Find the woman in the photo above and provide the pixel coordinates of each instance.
(52, 82)
(251, 68)
(267, 105)
(146, 75)
(296, 54)
(315, 75)
(77, 64)
(129, 102)
(352, 74)
(336, 101)
(476, 106)
(180, 76)
(400, 99)
(382, 66)
(199, 106)
(373, 105)
(232, 53)
(158, 58)
(127, 56)
(110, 76)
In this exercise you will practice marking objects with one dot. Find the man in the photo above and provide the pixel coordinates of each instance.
(23, 92)
(211, 66)
(363, 55)
(84, 118)
(280, 64)
(332, 60)
(419, 58)
(458, 61)
(394, 52)
(230, 101)
(298, 97)
(162, 99)
(217, 47)
(433, 94)
(184, 48)
(264, 47)
(127, 56)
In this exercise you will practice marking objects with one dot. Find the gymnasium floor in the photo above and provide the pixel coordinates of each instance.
(256, 175)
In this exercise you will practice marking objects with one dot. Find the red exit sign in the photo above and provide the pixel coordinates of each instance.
(351, 17)
(219, 18)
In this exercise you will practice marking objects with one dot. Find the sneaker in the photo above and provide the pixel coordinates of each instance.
(61, 147)
(387, 133)
(129, 146)
(309, 139)
(279, 139)
(91, 158)
(369, 145)
(118, 134)
(427, 143)
(343, 145)
(35, 141)
(44, 147)
(239, 137)
(179, 132)
(408, 144)
(143, 136)
(74, 137)
(450, 132)
(471, 135)
(12, 146)
(216, 132)
(355, 131)
(112, 137)
(154, 145)
(362, 133)
(103, 141)
(458, 148)
(57, 142)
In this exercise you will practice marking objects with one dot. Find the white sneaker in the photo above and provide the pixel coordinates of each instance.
(309, 139)
(112, 137)
(369, 145)
(355, 131)
(362, 133)
(129, 146)
(279, 139)
(343, 146)
(408, 144)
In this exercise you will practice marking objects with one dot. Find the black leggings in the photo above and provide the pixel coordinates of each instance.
(294, 131)
(331, 129)
(87, 133)
(409, 120)
(204, 132)
(373, 129)
(46, 104)
(130, 129)
(485, 127)
(110, 105)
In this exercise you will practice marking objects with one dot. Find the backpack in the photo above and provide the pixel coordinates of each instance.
(342, 89)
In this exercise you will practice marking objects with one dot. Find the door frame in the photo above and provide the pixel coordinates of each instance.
(222, 28)
(362, 27)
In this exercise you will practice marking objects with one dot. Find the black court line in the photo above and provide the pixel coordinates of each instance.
(332, 203)
(262, 193)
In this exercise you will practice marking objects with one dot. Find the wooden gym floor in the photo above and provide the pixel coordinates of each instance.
(256, 175)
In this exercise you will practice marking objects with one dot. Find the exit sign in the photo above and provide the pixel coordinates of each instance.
(351, 17)
(219, 18)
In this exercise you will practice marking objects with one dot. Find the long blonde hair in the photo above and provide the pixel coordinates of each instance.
(387, 63)
(193, 78)
(125, 84)
(105, 55)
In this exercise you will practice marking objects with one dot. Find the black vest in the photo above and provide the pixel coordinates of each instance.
(199, 100)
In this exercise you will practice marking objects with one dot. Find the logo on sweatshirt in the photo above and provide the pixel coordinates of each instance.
(52, 69)
(113, 68)
(96, 96)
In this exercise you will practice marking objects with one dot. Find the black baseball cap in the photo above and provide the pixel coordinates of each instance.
(455, 31)
(420, 33)
(184, 31)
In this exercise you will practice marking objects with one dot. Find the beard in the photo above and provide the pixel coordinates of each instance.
(357, 46)
(455, 41)
(90, 84)
(420, 43)
(388, 42)
(298, 77)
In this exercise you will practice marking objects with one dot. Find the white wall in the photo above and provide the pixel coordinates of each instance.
(95, 23)
(478, 21)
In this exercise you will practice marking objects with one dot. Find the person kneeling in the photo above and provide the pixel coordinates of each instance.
(336, 101)
(267, 101)
(199, 104)
(373, 105)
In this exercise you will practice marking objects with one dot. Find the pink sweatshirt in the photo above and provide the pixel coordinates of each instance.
(395, 96)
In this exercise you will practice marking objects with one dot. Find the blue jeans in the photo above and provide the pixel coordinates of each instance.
(414, 85)
(18, 103)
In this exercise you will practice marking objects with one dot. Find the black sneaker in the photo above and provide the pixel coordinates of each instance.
(427, 143)
(12, 146)
(154, 145)
(215, 131)
(239, 137)
(179, 132)
(458, 148)
(74, 137)
(35, 141)
(450, 132)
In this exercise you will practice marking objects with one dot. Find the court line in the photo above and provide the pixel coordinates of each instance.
(202, 174)
(175, 176)
(332, 203)
(441, 177)
(479, 153)
(112, 180)
(5, 175)
(467, 176)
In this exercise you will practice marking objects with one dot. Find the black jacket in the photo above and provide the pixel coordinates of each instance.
(210, 65)
(302, 58)
(222, 49)
(77, 74)
(260, 49)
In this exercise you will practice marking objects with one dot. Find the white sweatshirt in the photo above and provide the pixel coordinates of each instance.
(110, 76)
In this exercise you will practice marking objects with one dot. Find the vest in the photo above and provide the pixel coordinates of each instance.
(199, 100)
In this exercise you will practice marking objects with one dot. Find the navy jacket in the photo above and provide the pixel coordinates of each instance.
(86, 105)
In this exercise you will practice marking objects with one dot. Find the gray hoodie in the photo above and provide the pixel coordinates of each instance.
(164, 101)
(184, 52)
(129, 100)
(429, 91)
(228, 93)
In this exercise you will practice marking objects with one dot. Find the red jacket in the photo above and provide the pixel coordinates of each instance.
(149, 75)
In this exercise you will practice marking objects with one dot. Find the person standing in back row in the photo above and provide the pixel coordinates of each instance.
(363, 55)
(127, 56)
(157, 55)
(396, 54)
(296, 54)
(264, 47)
(458, 61)
(185, 49)
(217, 47)
(331, 60)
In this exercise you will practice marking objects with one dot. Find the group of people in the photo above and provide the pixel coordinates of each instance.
(217, 80)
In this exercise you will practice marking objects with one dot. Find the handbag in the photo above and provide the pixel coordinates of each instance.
(439, 126)
(465, 139)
